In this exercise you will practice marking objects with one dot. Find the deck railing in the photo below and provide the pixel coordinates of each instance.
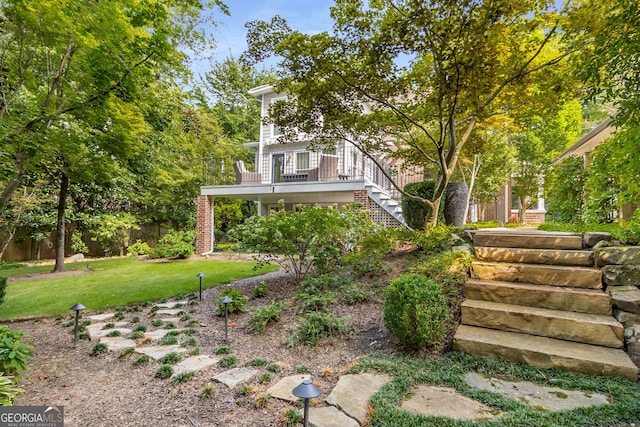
(352, 165)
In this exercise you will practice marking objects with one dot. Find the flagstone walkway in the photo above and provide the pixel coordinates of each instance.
(347, 403)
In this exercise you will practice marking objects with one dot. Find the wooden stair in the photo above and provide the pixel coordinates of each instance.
(536, 298)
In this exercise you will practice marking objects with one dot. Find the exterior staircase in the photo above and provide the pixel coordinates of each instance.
(383, 199)
(535, 297)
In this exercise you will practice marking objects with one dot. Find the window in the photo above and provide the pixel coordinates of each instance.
(275, 129)
(302, 160)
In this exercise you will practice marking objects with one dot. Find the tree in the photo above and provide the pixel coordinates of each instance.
(72, 73)
(422, 74)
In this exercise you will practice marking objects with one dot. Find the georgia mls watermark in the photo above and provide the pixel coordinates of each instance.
(31, 416)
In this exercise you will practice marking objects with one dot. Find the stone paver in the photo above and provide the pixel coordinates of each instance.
(100, 317)
(172, 304)
(282, 389)
(445, 402)
(235, 376)
(117, 343)
(169, 312)
(159, 351)
(170, 319)
(96, 330)
(548, 398)
(353, 403)
(156, 334)
(330, 416)
(194, 363)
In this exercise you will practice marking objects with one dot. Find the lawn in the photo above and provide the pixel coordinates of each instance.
(113, 282)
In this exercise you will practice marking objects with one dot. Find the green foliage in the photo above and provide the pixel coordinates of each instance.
(367, 265)
(207, 392)
(305, 239)
(415, 311)
(141, 360)
(164, 372)
(169, 340)
(291, 418)
(257, 362)
(99, 348)
(189, 342)
(194, 351)
(228, 361)
(384, 241)
(416, 212)
(139, 248)
(9, 390)
(171, 358)
(315, 301)
(3, 288)
(183, 377)
(127, 352)
(77, 244)
(260, 291)
(566, 190)
(225, 349)
(302, 369)
(261, 317)
(112, 229)
(265, 378)
(14, 354)
(274, 367)
(114, 333)
(626, 232)
(317, 325)
(238, 303)
(175, 244)
(432, 239)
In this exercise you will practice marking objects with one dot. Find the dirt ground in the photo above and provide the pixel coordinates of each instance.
(107, 390)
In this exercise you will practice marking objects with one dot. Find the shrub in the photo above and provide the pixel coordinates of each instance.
(415, 311)
(304, 239)
(367, 265)
(260, 291)
(142, 360)
(175, 244)
(238, 301)
(14, 354)
(416, 212)
(566, 189)
(77, 244)
(222, 350)
(433, 239)
(257, 362)
(314, 302)
(139, 248)
(317, 325)
(208, 391)
(3, 288)
(261, 317)
(169, 340)
(9, 391)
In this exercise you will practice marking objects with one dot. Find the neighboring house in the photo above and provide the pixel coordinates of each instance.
(297, 175)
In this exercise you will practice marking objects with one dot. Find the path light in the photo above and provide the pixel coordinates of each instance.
(226, 301)
(306, 390)
(77, 309)
(200, 275)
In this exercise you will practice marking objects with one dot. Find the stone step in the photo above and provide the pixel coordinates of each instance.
(565, 325)
(531, 240)
(554, 275)
(535, 256)
(545, 352)
(558, 298)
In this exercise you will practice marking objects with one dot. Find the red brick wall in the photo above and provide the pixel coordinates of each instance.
(362, 197)
(203, 226)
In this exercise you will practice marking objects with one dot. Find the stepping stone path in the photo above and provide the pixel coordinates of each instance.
(344, 407)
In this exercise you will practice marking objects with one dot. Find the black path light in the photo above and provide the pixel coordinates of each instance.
(200, 275)
(77, 308)
(226, 301)
(306, 390)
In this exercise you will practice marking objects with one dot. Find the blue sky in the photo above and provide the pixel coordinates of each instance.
(307, 16)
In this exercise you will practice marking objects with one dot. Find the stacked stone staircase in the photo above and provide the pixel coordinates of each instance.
(537, 298)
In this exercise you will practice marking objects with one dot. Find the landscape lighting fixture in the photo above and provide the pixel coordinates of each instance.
(306, 390)
(200, 275)
(226, 301)
(77, 309)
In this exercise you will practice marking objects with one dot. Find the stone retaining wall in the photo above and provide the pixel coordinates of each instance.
(620, 267)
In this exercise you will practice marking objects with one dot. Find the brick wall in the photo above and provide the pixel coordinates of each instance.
(203, 226)
(362, 197)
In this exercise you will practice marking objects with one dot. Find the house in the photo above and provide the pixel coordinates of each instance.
(296, 174)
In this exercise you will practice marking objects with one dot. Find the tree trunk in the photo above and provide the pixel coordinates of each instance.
(60, 227)
(10, 232)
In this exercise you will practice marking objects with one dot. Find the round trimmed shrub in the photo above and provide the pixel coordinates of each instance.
(415, 311)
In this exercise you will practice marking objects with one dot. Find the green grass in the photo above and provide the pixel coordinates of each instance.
(113, 283)
(449, 371)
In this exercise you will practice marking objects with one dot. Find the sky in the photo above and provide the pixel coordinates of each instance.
(307, 16)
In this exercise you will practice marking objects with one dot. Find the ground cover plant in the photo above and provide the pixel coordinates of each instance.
(114, 282)
(449, 371)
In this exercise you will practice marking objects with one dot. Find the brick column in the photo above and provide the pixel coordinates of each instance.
(203, 225)
(362, 197)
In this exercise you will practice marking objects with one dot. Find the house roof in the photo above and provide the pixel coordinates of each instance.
(260, 90)
(589, 141)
